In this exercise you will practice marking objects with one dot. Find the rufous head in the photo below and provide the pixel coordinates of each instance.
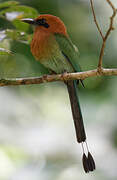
(48, 23)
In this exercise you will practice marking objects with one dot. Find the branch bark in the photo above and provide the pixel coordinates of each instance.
(58, 77)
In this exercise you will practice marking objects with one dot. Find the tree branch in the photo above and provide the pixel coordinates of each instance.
(57, 77)
(104, 38)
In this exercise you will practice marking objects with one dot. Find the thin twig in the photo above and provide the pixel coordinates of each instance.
(95, 19)
(107, 33)
(111, 19)
(57, 77)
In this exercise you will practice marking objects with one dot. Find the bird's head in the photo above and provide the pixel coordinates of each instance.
(47, 23)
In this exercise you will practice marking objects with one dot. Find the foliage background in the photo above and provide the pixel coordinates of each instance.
(37, 137)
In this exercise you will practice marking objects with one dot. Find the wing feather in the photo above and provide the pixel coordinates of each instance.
(69, 50)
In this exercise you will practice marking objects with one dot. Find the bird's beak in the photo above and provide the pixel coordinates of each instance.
(29, 21)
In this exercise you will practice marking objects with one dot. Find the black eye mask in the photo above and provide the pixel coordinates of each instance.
(42, 22)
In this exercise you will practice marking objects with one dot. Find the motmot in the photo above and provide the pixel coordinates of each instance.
(52, 47)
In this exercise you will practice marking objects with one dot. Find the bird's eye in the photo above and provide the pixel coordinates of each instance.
(42, 22)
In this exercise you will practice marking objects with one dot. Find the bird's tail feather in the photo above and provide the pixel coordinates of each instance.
(88, 161)
(76, 111)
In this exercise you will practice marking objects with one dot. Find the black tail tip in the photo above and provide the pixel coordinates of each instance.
(85, 163)
(91, 161)
(88, 162)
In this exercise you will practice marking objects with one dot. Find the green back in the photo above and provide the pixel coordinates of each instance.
(69, 50)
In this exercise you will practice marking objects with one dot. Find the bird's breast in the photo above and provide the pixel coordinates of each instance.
(42, 46)
(45, 49)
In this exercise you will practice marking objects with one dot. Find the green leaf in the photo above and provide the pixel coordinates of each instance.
(8, 4)
(25, 10)
(5, 52)
(18, 36)
(19, 25)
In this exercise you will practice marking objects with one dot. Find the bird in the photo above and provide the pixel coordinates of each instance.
(53, 48)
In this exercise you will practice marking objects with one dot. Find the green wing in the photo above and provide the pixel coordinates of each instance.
(69, 50)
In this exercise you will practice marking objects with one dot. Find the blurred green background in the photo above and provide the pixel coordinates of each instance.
(37, 136)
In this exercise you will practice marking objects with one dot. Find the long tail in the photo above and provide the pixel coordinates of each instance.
(76, 111)
(88, 162)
